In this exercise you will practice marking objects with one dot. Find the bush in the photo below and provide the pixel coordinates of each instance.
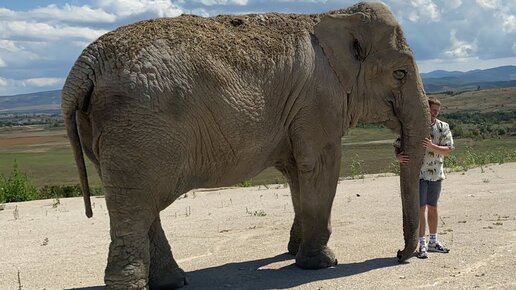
(470, 159)
(56, 191)
(2, 195)
(357, 167)
(16, 187)
(394, 167)
(245, 183)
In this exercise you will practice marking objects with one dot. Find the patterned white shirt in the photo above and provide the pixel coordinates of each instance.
(432, 168)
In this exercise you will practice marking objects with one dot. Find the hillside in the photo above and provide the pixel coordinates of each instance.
(493, 100)
(33, 102)
(441, 81)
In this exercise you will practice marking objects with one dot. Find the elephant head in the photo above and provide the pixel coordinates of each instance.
(366, 48)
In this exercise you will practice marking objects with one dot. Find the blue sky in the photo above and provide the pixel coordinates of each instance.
(40, 39)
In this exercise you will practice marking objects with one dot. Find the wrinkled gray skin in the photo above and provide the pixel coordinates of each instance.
(159, 118)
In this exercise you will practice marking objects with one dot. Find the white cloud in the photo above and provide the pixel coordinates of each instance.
(452, 4)
(16, 86)
(45, 31)
(3, 82)
(81, 44)
(489, 4)
(72, 13)
(127, 8)
(509, 23)
(424, 10)
(459, 48)
(514, 48)
(42, 82)
(9, 45)
(199, 11)
(302, 1)
(416, 11)
(6, 13)
(222, 2)
(2, 63)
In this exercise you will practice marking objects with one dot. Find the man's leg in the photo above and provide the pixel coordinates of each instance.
(434, 191)
(422, 221)
(432, 219)
(423, 186)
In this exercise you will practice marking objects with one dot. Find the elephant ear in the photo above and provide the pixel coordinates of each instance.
(340, 36)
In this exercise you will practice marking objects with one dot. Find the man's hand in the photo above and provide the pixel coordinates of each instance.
(402, 158)
(427, 143)
(443, 150)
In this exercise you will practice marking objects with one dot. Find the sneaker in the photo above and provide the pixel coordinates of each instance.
(437, 247)
(422, 253)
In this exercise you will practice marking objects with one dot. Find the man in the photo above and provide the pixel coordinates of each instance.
(438, 145)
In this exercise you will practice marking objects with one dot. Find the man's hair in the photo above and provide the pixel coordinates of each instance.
(433, 101)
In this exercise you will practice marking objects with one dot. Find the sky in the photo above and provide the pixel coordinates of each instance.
(41, 39)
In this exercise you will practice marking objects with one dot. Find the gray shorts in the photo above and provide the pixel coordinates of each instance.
(429, 192)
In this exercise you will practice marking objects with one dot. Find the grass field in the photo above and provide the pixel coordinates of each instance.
(495, 100)
(44, 155)
(47, 158)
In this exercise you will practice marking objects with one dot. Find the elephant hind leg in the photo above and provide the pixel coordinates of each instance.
(164, 273)
(128, 258)
(128, 262)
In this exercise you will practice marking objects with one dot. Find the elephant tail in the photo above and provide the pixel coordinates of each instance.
(75, 98)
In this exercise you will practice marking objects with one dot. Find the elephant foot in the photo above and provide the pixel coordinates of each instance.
(128, 263)
(118, 284)
(293, 245)
(315, 259)
(170, 279)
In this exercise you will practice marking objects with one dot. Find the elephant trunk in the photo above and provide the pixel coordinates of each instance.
(409, 182)
(415, 127)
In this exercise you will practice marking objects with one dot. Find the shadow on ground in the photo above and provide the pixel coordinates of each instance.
(250, 275)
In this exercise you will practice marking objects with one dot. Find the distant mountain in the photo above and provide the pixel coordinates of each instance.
(33, 102)
(436, 81)
(441, 81)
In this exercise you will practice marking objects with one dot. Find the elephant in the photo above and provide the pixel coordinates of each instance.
(167, 105)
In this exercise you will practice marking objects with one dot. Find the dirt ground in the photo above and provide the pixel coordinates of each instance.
(236, 238)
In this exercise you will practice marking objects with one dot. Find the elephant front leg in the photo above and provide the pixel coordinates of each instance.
(164, 272)
(296, 235)
(296, 231)
(318, 183)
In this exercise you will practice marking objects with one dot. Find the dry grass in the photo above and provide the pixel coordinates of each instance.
(494, 100)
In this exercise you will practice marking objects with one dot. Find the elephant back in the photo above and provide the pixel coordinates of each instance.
(245, 40)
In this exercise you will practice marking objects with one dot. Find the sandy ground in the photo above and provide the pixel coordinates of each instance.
(236, 238)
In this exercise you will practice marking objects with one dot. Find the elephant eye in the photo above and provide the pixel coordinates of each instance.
(399, 74)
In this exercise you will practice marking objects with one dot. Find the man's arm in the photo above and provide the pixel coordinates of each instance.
(442, 150)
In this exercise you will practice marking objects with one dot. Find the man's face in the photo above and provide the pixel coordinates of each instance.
(434, 111)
